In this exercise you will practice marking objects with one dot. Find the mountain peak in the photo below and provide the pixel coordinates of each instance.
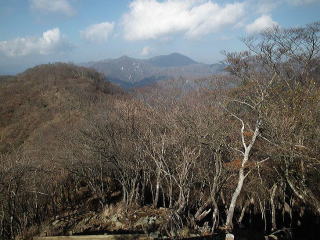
(171, 60)
(175, 54)
(129, 72)
(124, 57)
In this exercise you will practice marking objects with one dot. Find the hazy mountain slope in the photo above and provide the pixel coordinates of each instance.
(126, 69)
(129, 72)
(171, 60)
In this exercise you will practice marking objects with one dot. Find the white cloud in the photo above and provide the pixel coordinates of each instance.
(50, 42)
(146, 51)
(54, 6)
(260, 24)
(302, 2)
(98, 32)
(151, 19)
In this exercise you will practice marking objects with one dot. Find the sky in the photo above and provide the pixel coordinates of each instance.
(34, 32)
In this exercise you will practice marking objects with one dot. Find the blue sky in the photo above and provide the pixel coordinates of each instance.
(41, 31)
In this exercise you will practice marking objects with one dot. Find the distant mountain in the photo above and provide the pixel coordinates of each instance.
(130, 72)
(171, 60)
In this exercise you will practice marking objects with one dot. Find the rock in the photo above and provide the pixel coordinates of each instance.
(205, 229)
(173, 234)
(229, 236)
(184, 232)
(55, 222)
(116, 223)
(141, 222)
(154, 234)
(284, 234)
(193, 235)
(147, 224)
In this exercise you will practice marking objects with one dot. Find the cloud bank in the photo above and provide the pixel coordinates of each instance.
(260, 24)
(151, 19)
(50, 42)
(98, 33)
(53, 6)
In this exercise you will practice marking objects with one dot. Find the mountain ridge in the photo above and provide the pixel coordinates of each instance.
(131, 72)
(171, 60)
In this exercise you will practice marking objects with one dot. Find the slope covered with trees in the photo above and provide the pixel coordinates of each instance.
(38, 108)
(43, 97)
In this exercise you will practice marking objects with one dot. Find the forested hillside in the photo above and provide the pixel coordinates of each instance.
(46, 97)
(240, 153)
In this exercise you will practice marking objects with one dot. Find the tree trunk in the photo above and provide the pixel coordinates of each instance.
(143, 189)
(243, 211)
(202, 209)
(263, 214)
(170, 194)
(215, 215)
(273, 210)
(125, 195)
(156, 198)
(235, 196)
(247, 149)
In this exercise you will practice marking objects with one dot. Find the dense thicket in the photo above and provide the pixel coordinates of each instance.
(216, 154)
